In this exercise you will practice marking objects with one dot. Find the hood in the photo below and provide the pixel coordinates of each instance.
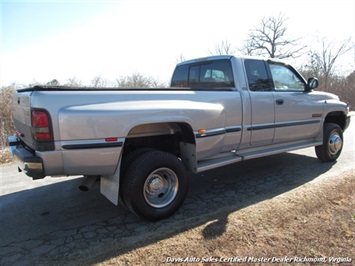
(326, 95)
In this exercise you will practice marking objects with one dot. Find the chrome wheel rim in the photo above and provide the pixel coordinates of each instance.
(335, 143)
(160, 188)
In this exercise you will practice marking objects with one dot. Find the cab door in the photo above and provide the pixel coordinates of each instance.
(298, 113)
(262, 126)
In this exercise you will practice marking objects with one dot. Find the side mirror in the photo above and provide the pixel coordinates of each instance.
(312, 83)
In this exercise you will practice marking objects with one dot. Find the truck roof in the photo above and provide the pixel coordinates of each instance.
(218, 57)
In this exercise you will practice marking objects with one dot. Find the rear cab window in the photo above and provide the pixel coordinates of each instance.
(209, 75)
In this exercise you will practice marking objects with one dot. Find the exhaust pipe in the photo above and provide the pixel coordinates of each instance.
(88, 182)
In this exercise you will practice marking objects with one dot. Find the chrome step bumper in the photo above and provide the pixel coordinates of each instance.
(26, 160)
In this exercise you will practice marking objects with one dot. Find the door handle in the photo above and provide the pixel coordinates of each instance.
(279, 101)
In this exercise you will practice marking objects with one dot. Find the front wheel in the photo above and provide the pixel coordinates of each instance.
(332, 145)
(154, 185)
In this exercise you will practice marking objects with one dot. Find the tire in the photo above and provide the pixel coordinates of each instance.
(126, 162)
(155, 185)
(129, 159)
(332, 143)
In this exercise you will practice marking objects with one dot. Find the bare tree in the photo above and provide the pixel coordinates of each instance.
(73, 82)
(180, 59)
(322, 62)
(138, 80)
(223, 48)
(99, 82)
(349, 90)
(53, 82)
(6, 122)
(269, 39)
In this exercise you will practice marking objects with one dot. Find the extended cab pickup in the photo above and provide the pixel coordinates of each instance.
(143, 143)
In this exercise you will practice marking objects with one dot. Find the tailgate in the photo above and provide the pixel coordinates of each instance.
(22, 116)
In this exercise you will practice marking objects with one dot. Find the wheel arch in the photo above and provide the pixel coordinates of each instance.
(176, 138)
(336, 117)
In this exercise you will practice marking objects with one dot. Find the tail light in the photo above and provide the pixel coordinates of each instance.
(41, 126)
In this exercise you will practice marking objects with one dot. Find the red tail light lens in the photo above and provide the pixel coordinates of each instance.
(42, 136)
(40, 125)
(39, 119)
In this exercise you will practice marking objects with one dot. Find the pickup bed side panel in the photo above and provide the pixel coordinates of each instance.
(90, 127)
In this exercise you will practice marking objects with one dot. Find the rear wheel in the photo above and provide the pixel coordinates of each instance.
(129, 159)
(332, 143)
(126, 162)
(154, 185)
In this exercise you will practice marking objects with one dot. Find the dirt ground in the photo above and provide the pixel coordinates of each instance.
(312, 224)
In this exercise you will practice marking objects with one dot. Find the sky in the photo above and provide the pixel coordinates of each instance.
(83, 39)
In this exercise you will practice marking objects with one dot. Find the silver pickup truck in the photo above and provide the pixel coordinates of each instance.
(143, 143)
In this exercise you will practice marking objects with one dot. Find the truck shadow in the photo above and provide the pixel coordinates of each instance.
(212, 196)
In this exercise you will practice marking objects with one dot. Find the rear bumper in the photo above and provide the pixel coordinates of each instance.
(26, 160)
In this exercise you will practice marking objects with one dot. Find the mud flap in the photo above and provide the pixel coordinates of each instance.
(110, 184)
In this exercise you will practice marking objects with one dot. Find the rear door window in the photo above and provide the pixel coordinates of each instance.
(258, 79)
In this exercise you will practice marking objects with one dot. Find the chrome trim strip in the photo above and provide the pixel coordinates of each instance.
(218, 131)
(298, 123)
(233, 129)
(91, 144)
(283, 124)
(211, 132)
(261, 127)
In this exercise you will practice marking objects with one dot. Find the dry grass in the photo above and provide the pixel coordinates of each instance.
(6, 112)
(316, 220)
(5, 157)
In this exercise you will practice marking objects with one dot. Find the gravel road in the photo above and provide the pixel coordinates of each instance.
(51, 222)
